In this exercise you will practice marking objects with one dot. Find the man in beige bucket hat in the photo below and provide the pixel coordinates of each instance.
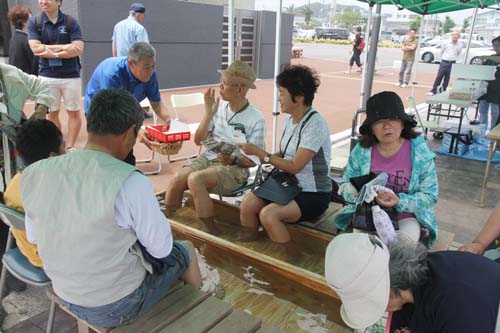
(427, 292)
(232, 120)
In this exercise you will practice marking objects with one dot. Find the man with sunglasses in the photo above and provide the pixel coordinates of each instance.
(232, 120)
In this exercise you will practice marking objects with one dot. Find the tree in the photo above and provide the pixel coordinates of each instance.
(348, 19)
(290, 9)
(415, 24)
(465, 25)
(448, 24)
(308, 12)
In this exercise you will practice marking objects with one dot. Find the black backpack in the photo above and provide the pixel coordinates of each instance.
(69, 23)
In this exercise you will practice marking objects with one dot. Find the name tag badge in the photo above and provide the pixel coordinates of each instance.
(55, 62)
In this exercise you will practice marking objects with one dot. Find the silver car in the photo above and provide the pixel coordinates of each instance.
(477, 48)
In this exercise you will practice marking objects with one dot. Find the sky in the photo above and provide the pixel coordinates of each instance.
(457, 16)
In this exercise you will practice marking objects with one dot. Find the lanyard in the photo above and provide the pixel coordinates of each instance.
(234, 115)
(282, 152)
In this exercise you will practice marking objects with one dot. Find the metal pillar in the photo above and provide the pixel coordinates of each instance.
(415, 64)
(230, 32)
(365, 56)
(369, 67)
(277, 52)
(473, 24)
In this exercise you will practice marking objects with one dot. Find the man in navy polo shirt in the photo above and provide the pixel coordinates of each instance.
(57, 39)
(135, 74)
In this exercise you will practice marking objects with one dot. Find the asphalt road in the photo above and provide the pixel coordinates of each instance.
(385, 56)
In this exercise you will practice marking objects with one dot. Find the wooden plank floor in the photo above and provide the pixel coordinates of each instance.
(272, 310)
(264, 245)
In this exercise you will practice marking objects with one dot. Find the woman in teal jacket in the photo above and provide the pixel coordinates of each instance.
(389, 144)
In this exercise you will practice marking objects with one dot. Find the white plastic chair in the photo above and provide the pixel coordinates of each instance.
(145, 105)
(186, 101)
(426, 125)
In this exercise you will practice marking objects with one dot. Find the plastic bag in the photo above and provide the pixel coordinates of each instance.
(383, 225)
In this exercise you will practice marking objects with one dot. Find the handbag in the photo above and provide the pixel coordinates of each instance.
(363, 217)
(281, 187)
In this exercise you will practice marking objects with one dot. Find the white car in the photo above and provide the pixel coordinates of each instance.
(433, 53)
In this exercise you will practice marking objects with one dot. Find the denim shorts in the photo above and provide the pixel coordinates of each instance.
(151, 291)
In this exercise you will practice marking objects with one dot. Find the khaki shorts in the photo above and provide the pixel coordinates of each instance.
(230, 177)
(68, 89)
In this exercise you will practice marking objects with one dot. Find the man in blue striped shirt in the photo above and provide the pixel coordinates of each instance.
(129, 31)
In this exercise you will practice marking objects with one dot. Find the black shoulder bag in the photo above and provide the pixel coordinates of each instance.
(282, 187)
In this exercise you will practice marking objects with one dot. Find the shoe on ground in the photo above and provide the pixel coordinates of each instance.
(70, 149)
(404, 85)
(148, 114)
(397, 84)
(430, 93)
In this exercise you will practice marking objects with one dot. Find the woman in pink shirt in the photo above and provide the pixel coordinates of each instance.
(389, 144)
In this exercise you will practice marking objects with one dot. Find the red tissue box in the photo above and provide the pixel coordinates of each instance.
(156, 133)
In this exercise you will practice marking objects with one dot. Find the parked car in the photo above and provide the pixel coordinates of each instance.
(331, 33)
(474, 56)
(305, 33)
(424, 41)
(433, 53)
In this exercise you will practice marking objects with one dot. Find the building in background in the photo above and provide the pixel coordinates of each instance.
(487, 24)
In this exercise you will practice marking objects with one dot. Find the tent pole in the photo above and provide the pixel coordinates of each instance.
(277, 51)
(365, 56)
(230, 32)
(369, 67)
(472, 26)
(415, 64)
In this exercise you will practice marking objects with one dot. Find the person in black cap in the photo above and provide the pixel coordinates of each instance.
(389, 144)
(129, 31)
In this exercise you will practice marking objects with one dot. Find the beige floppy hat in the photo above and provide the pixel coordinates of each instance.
(358, 270)
(241, 72)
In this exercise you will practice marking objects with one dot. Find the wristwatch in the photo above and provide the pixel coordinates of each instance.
(267, 158)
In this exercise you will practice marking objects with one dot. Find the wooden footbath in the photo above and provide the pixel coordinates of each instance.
(302, 284)
(264, 262)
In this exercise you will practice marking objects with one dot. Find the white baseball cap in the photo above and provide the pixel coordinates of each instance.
(357, 268)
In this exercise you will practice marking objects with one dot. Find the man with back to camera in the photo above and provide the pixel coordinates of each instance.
(103, 240)
(129, 31)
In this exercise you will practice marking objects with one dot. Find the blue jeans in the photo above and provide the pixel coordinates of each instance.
(151, 291)
(484, 107)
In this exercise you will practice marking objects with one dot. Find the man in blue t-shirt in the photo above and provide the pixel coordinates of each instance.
(135, 74)
(57, 40)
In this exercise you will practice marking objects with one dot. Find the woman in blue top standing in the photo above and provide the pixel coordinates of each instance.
(305, 151)
(389, 144)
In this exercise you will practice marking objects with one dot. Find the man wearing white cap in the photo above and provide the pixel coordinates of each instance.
(233, 118)
(129, 31)
(447, 291)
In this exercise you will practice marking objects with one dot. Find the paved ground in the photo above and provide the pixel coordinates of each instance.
(337, 99)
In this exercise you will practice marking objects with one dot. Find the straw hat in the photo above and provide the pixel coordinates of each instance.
(242, 72)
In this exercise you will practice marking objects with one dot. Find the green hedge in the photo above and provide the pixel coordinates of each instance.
(383, 43)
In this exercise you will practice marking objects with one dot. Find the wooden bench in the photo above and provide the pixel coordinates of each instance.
(184, 310)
